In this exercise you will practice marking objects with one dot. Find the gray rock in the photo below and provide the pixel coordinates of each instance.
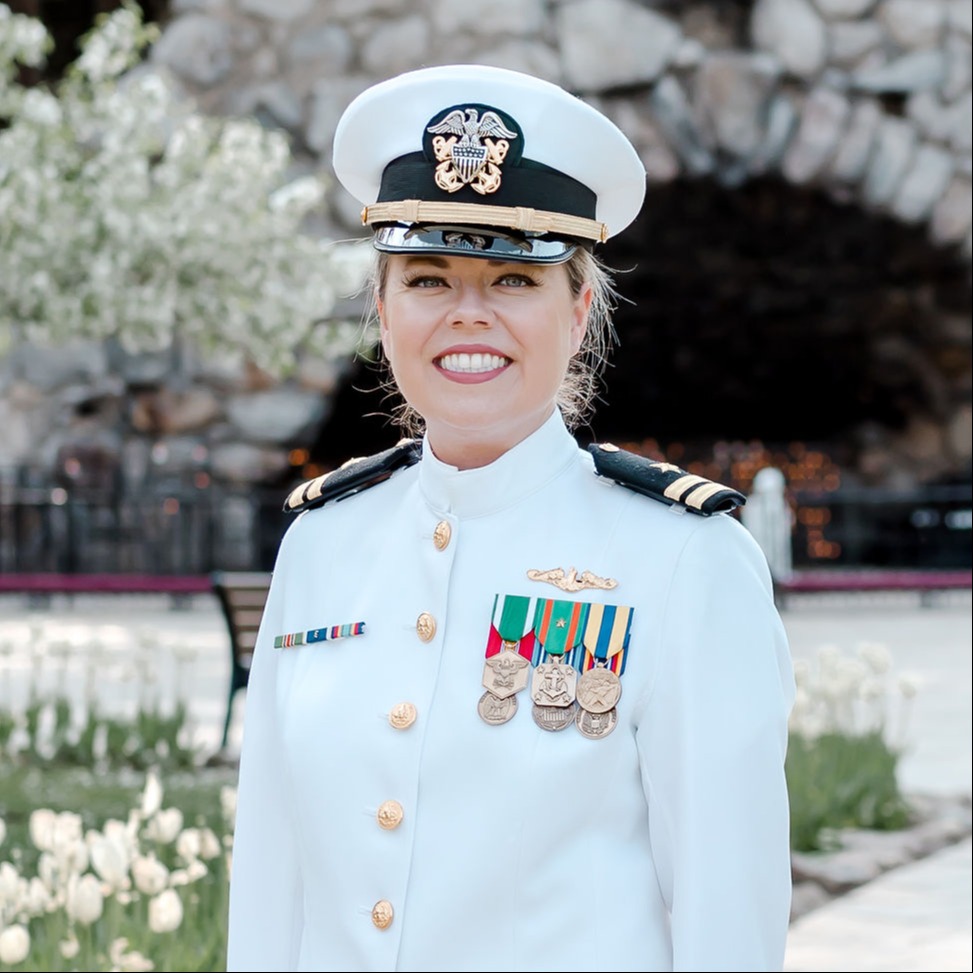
(959, 67)
(793, 31)
(778, 131)
(914, 71)
(848, 165)
(850, 40)
(527, 56)
(959, 15)
(821, 127)
(48, 368)
(278, 415)
(328, 46)
(894, 147)
(923, 184)
(611, 43)
(951, 216)
(671, 111)
(196, 47)
(913, 23)
(329, 98)
(843, 8)
(961, 137)
(396, 46)
(523, 17)
(277, 9)
(732, 92)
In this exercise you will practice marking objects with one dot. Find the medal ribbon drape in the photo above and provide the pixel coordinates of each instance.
(513, 621)
(606, 637)
(558, 626)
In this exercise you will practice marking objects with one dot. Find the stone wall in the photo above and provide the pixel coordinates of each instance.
(868, 101)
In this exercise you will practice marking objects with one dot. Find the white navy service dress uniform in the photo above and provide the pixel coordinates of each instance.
(384, 824)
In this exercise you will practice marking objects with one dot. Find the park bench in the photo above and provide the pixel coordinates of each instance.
(242, 595)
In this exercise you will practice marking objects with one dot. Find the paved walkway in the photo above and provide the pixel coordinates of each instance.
(915, 918)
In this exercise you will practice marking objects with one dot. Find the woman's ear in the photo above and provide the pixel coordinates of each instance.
(579, 326)
(383, 327)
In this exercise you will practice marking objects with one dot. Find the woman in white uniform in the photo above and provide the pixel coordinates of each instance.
(514, 705)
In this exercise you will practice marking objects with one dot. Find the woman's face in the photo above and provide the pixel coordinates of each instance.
(479, 347)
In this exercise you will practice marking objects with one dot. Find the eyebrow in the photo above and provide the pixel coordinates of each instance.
(443, 262)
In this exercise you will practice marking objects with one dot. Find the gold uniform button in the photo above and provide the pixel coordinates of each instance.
(390, 815)
(403, 715)
(441, 535)
(382, 914)
(426, 627)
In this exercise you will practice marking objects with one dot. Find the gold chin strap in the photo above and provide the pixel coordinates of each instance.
(476, 214)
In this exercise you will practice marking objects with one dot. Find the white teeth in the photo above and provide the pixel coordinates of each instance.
(472, 364)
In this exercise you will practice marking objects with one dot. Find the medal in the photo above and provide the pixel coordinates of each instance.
(596, 725)
(553, 718)
(599, 689)
(508, 654)
(494, 710)
(554, 681)
(605, 640)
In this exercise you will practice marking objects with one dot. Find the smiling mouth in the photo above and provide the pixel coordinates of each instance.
(472, 364)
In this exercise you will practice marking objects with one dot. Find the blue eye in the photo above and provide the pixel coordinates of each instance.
(425, 280)
(516, 280)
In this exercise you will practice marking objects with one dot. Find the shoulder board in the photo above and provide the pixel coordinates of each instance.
(664, 482)
(353, 476)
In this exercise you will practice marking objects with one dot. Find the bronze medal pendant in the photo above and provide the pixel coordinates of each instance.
(494, 710)
(605, 640)
(596, 725)
(506, 670)
(553, 686)
(599, 689)
(554, 718)
(506, 673)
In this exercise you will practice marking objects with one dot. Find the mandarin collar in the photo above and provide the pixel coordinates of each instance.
(519, 472)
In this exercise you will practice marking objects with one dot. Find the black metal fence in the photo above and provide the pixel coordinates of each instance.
(179, 530)
(161, 531)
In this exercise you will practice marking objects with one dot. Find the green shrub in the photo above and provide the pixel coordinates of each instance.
(845, 741)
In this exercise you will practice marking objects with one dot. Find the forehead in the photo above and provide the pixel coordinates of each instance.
(470, 266)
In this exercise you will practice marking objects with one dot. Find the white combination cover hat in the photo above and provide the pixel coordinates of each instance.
(488, 162)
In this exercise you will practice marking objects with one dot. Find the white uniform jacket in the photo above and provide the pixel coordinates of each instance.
(662, 846)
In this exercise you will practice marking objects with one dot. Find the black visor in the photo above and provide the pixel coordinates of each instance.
(473, 241)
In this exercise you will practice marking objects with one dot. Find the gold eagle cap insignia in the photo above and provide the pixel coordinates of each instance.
(570, 580)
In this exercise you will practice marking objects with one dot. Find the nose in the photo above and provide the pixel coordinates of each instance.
(471, 307)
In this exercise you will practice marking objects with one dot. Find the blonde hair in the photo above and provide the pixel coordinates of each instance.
(579, 389)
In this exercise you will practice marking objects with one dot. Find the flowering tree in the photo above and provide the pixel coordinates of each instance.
(124, 212)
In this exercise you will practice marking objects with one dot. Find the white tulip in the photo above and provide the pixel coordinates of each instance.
(9, 881)
(41, 825)
(69, 947)
(109, 858)
(14, 945)
(164, 826)
(209, 844)
(165, 911)
(151, 795)
(128, 962)
(188, 844)
(149, 874)
(85, 901)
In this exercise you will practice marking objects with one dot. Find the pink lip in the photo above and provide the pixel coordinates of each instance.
(462, 378)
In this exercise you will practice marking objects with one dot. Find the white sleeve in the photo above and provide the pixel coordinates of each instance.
(265, 913)
(712, 739)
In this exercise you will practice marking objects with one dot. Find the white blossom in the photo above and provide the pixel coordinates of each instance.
(165, 911)
(85, 900)
(164, 826)
(149, 875)
(151, 795)
(14, 944)
(126, 213)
